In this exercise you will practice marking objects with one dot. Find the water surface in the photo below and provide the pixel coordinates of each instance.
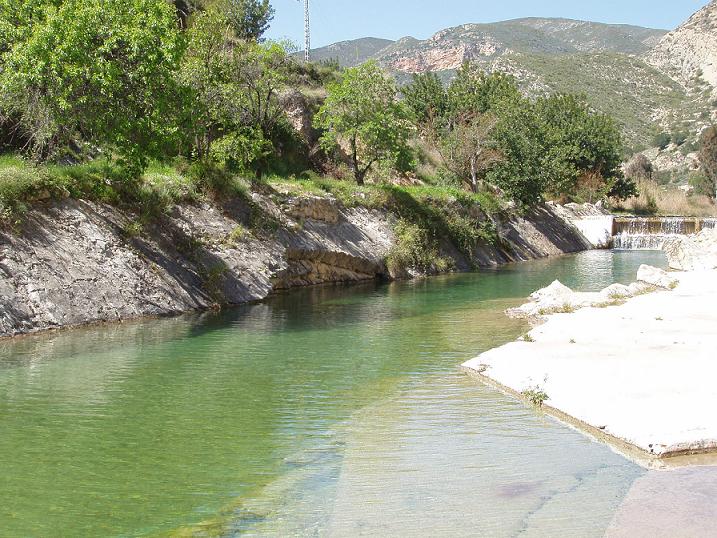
(334, 411)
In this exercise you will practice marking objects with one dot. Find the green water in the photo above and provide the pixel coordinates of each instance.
(328, 411)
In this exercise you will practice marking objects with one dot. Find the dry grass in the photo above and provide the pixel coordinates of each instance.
(657, 200)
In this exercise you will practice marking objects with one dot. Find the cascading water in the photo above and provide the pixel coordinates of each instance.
(651, 233)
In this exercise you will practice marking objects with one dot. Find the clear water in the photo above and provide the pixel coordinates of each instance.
(332, 411)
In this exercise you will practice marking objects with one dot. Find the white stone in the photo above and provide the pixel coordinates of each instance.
(642, 372)
(656, 277)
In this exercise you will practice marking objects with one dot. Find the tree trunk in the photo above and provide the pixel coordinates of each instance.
(358, 174)
(474, 175)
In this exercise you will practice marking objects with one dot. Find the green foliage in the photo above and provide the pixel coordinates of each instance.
(362, 111)
(427, 98)
(232, 89)
(476, 91)
(102, 70)
(535, 395)
(20, 183)
(662, 140)
(239, 150)
(415, 249)
(581, 146)
(249, 19)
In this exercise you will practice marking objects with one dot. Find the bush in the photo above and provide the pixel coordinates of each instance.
(415, 249)
(662, 140)
(20, 184)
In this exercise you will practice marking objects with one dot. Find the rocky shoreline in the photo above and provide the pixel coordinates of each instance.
(635, 372)
(76, 262)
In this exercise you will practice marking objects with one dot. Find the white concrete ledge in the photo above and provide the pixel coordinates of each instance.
(642, 375)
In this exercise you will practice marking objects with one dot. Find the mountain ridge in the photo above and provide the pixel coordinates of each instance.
(644, 77)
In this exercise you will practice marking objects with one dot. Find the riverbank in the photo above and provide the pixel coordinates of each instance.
(75, 262)
(638, 375)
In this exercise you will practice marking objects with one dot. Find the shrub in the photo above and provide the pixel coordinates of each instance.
(414, 249)
(662, 140)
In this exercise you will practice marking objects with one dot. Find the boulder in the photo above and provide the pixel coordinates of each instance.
(693, 252)
(617, 291)
(656, 277)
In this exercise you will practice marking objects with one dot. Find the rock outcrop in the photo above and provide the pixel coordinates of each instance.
(693, 252)
(656, 277)
(557, 298)
(75, 262)
(690, 52)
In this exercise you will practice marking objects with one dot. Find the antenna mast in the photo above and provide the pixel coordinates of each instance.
(307, 33)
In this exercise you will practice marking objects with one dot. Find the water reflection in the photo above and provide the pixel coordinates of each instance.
(334, 410)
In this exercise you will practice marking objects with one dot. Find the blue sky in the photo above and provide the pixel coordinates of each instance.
(339, 20)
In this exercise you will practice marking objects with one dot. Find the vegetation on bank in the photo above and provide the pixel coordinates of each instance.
(147, 103)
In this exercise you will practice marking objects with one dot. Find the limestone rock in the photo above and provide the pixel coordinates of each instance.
(313, 207)
(693, 252)
(656, 277)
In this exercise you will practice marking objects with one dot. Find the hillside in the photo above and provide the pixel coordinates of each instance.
(351, 53)
(650, 80)
(689, 53)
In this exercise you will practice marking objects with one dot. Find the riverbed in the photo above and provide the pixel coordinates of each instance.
(337, 411)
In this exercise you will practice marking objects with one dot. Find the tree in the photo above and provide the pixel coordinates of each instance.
(249, 19)
(363, 113)
(708, 159)
(476, 91)
(232, 89)
(579, 143)
(206, 75)
(639, 167)
(103, 70)
(427, 97)
(520, 137)
(467, 149)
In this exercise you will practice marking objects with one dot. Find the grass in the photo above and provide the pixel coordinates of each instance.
(439, 211)
(535, 395)
(426, 214)
(162, 185)
(663, 200)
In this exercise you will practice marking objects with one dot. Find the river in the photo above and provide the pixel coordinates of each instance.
(328, 411)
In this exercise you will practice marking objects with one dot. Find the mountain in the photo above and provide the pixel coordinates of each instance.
(449, 48)
(351, 53)
(689, 54)
(646, 78)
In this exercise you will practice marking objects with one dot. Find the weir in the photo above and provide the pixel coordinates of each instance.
(650, 233)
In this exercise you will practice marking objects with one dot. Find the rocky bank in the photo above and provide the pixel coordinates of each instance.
(74, 262)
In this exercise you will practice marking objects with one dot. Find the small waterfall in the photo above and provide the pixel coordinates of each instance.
(650, 233)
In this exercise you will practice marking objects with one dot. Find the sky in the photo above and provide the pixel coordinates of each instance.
(340, 20)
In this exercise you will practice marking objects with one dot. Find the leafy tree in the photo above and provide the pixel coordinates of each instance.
(467, 149)
(639, 167)
(427, 97)
(476, 91)
(233, 93)
(520, 137)
(249, 19)
(708, 159)
(104, 70)
(206, 76)
(363, 113)
(579, 143)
